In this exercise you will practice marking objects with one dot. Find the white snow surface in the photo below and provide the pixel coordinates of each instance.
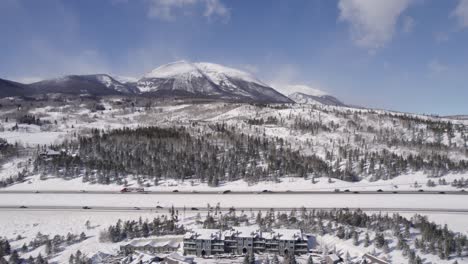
(184, 71)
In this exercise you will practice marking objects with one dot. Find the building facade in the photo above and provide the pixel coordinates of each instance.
(245, 240)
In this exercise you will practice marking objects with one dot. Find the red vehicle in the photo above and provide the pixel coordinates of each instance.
(132, 189)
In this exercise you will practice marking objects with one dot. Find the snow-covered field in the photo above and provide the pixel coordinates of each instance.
(28, 224)
(400, 183)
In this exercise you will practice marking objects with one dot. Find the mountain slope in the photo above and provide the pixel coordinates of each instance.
(208, 80)
(10, 88)
(325, 99)
(97, 84)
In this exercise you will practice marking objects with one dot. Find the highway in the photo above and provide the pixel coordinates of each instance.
(263, 192)
(279, 200)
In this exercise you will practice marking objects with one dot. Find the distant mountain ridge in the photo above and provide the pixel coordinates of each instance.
(325, 99)
(178, 79)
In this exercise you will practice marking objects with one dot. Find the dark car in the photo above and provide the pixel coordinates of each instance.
(136, 208)
(355, 192)
(22, 207)
(36, 192)
(226, 191)
(347, 190)
(194, 209)
(420, 190)
(266, 191)
(394, 192)
(379, 190)
(86, 207)
(441, 192)
(175, 191)
(159, 207)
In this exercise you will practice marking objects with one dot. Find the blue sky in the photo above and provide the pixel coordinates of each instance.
(407, 55)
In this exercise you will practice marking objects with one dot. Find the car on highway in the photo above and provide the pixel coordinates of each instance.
(194, 209)
(22, 207)
(394, 192)
(441, 192)
(420, 190)
(83, 191)
(355, 192)
(226, 191)
(136, 208)
(36, 192)
(337, 190)
(159, 207)
(266, 191)
(379, 190)
(175, 191)
(347, 190)
(86, 207)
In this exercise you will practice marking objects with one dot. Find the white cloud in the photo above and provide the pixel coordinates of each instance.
(168, 10)
(461, 13)
(372, 22)
(408, 24)
(437, 67)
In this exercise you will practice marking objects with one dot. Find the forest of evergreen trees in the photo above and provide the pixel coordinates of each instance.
(159, 226)
(155, 153)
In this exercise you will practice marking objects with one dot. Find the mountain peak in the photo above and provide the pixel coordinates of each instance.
(204, 79)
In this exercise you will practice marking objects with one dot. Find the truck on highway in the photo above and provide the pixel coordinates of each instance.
(132, 189)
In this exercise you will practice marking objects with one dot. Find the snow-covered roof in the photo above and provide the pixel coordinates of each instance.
(176, 256)
(334, 257)
(283, 234)
(204, 234)
(243, 231)
(153, 243)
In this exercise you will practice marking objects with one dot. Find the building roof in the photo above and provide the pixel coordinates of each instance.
(153, 243)
(334, 257)
(178, 257)
(284, 234)
(373, 259)
(243, 231)
(204, 234)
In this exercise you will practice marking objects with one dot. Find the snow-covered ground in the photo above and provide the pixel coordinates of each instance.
(400, 183)
(29, 223)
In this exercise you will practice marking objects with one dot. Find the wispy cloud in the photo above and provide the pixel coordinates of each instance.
(435, 66)
(408, 24)
(461, 13)
(372, 22)
(169, 10)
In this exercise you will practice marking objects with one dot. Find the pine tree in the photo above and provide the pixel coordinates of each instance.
(367, 240)
(14, 258)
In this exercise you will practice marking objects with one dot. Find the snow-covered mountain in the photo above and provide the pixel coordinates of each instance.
(96, 84)
(304, 94)
(10, 88)
(208, 80)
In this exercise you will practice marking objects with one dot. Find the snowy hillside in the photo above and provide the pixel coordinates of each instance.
(96, 84)
(303, 94)
(312, 142)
